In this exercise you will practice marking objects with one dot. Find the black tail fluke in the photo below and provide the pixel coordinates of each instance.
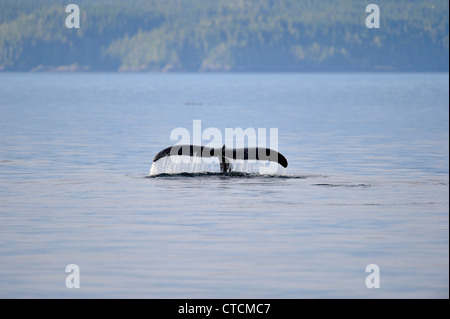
(223, 153)
(258, 153)
(186, 150)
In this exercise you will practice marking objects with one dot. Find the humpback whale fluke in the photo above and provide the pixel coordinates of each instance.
(224, 153)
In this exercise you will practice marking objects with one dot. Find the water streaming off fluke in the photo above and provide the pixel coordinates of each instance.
(188, 164)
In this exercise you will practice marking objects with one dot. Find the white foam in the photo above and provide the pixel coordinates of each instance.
(188, 164)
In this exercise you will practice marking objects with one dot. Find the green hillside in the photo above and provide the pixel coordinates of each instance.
(224, 35)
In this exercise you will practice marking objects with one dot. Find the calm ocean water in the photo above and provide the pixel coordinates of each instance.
(367, 183)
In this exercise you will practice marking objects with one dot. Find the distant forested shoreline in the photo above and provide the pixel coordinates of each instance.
(224, 36)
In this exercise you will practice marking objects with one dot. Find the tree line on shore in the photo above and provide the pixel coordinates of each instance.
(224, 35)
